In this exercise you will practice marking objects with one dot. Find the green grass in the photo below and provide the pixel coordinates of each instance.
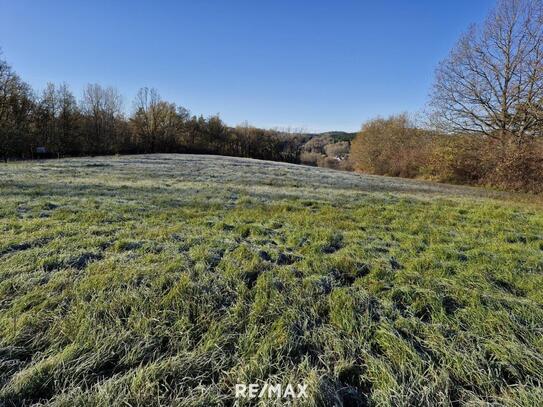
(165, 280)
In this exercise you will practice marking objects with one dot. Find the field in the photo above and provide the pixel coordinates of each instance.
(167, 279)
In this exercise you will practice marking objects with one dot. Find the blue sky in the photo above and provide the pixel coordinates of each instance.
(316, 65)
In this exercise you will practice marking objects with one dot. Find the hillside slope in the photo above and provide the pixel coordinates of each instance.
(167, 279)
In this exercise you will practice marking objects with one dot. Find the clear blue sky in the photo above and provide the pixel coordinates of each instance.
(317, 65)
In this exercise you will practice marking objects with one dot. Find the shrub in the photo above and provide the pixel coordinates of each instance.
(330, 162)
(516, 167)
(392, 146)
(505, 164)
(310, 158)
(457, 159)
(339, 150)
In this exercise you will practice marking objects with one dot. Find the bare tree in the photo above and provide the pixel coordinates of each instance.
(55, 119)
(16, 103)
(67, 119)
(102, 106)
(492, 81)
(156, 122)
(145, 120)
(45, 118)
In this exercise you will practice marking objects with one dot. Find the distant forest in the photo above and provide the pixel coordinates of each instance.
(53, 123)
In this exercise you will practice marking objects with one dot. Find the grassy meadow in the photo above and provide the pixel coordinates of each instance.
(166, 279)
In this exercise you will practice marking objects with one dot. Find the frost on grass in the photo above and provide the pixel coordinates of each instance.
(166, 279)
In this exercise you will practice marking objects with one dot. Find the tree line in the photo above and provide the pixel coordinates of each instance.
(54, 124)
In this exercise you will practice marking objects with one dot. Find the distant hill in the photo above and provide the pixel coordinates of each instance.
(335, 135)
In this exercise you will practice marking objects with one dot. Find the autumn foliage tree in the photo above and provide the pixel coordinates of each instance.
(393, 146)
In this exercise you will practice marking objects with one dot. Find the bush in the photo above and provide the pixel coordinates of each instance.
(517, 167)
(332, 155)
(505, 164)
(457, 159)
(330, 162)
(339, 150)
(309, 158)
(392, 146)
